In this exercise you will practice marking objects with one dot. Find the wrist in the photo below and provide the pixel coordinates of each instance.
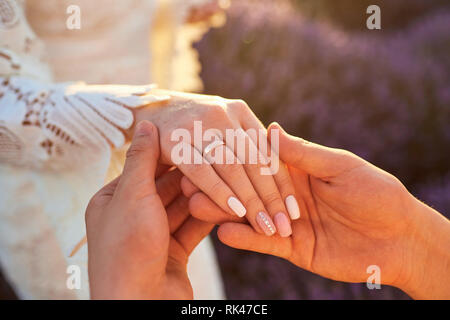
(149, 287)
(149, 112)
(426, 261)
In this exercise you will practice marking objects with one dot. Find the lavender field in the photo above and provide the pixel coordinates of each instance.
(312, 66)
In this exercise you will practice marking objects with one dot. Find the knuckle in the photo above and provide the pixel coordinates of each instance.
(232, 169)
(87, 214)
(217, 110)
(252, 202)
(345, 154)
(238, 105)
(260, 167)
(272, 199)
(284, 182)
(216, 187)
(91, 208)
(394, 186)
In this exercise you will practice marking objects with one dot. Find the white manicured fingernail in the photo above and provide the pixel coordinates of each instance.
(292, 207)
(237, 206)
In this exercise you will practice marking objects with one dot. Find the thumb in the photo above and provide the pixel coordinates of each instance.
(315, 159)
(142, 157)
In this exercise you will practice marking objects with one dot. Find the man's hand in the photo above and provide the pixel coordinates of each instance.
(189, 123)
(353, 215)
(139, 232)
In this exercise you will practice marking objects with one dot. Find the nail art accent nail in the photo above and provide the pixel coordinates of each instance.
(292, 207)
(283, 224)
(266, 223)
(236, 206)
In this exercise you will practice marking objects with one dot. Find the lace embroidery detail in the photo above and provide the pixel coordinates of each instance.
(47, 125)
(8, 14)
(70, 120)
(13, 63)
(10, 145)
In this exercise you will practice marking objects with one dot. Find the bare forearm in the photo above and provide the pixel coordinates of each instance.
(149, 112)
(430, 255)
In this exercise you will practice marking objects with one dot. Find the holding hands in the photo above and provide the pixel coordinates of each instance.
(226, 176)
(353, 214)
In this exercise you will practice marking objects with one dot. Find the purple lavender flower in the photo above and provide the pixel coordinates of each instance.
(383, 95)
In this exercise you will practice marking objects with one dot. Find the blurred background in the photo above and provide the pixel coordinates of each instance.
(314, 67)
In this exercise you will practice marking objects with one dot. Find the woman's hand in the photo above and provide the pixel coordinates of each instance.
(139, 231)
(355, 215)
(238, 185)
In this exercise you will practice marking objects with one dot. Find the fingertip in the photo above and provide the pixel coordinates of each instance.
(292, 207)
(272, 126)
(195, 203)
(144, 128)
(187, 187)
(147, 134)
(201, 207)
(220, 232)
(289, 146)
(282, 136)
(276, 126)
(225, 232)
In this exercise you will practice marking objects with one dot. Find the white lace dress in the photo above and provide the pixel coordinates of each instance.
(56, 137)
